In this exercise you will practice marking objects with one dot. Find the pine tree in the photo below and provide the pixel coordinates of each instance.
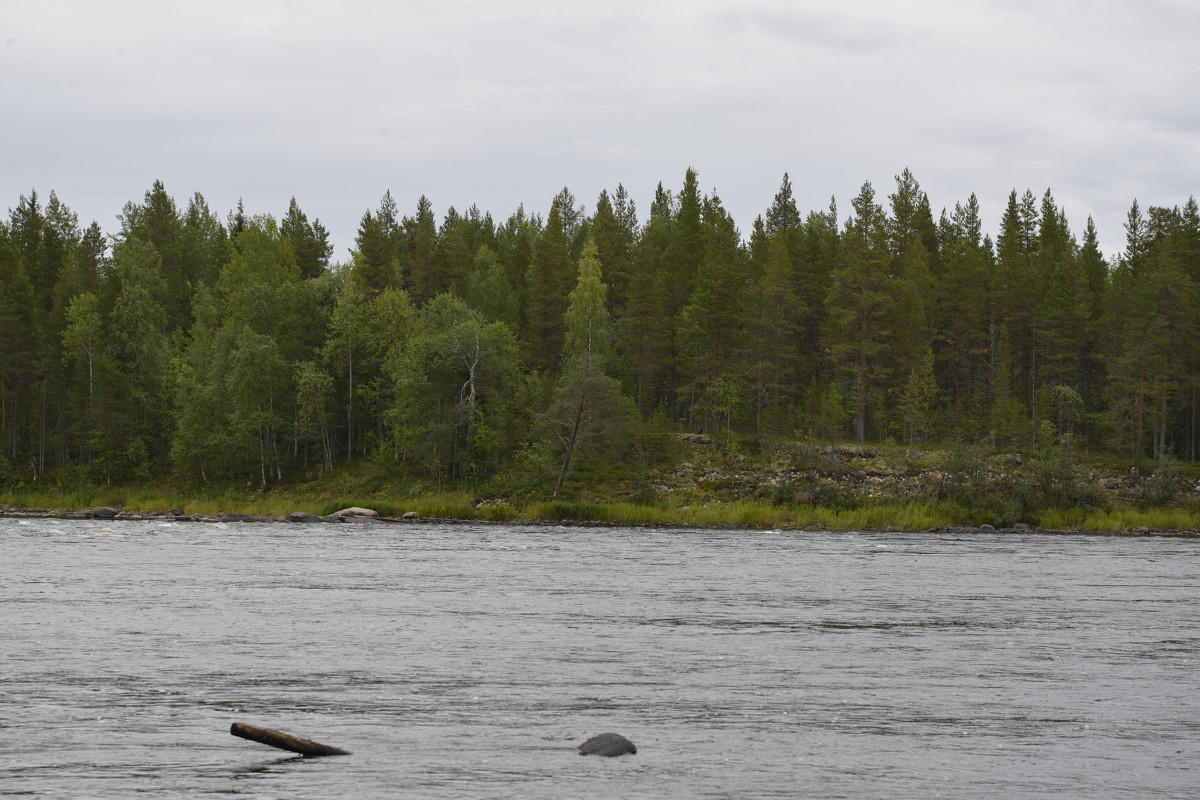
(1154, 330)
(613, 229)
(860, 297)
(547, 282)
(420, 237)
(490, 292)
(204, 243)
(157, 223)
(968, 322)
(17, 339)
(376, 263)
(711, 332)
(310, 241)
(643, 321)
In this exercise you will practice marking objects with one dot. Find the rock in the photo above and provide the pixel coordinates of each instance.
(239, 518)
(354, 511)
(1020, 526)
(175, 512)
(410, 515)
(607, 744)
(362, 520)
(104, 512)
(303, 516)
(987, 527)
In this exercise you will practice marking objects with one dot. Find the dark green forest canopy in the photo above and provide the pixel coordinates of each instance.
(472, 347)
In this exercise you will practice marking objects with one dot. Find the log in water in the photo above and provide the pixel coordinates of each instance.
(284, 741)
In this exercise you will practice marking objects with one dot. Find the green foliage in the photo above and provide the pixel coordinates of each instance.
(1162, 487)
(836, 497)
(965, 480)
(1057, 479)
(472, 354)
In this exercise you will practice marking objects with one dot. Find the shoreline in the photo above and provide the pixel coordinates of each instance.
(107, 513)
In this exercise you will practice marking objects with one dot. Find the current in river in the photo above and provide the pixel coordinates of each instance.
(461, 661)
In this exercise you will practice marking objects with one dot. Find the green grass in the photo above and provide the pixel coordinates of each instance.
(1115, 521)
(913, 516)
(755, 516)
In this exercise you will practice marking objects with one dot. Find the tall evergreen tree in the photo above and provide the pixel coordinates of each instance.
(643, 325)
(310, 241)
(859, 300)
(204, 244)
(588, 406)
(711, 332)
(547, 281)
(157, 223)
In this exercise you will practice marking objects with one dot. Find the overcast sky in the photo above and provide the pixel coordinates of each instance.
(503, 103)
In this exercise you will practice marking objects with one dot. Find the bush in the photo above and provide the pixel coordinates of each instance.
(643, 493)
(1161, 488)
(1057, 479)
(836, 497)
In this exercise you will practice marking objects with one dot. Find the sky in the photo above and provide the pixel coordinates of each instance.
(500, 104)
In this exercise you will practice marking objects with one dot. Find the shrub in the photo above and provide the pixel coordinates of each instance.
(1161, 488)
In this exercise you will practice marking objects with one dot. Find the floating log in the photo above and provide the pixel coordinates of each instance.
(284, 741)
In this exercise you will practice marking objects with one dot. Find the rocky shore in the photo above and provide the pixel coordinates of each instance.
(348, 515)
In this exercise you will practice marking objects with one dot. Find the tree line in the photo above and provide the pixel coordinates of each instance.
(473, 348)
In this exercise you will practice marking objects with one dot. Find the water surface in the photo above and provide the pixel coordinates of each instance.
(466, 661)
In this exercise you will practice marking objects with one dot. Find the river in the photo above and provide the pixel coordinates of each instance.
(469, 661)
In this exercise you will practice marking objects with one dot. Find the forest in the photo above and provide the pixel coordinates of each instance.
(531, 352)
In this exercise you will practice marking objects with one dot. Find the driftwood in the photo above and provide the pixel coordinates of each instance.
(284, 741)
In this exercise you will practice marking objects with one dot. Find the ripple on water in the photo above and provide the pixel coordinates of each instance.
(468, 661)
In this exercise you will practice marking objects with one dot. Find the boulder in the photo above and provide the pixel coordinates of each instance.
(303, 516)
(410, 515)
(353, 511)
(104, 512)
(607, 744)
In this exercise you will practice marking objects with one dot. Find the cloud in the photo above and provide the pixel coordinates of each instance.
(504, 103)
(798, 25)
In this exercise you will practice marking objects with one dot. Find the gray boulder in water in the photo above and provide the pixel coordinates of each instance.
(304, 517)
(607, 744)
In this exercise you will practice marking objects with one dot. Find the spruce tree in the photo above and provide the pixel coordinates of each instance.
(588, 408)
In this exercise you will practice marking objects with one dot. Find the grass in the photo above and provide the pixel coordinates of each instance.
(1117, 520)
(724, 503)
(756, 516)
(897, 516)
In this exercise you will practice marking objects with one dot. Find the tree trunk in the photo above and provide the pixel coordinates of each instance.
(350, 405)
(570, 443)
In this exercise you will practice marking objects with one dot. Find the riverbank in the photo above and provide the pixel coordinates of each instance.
(412, 518)
(710, 485)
